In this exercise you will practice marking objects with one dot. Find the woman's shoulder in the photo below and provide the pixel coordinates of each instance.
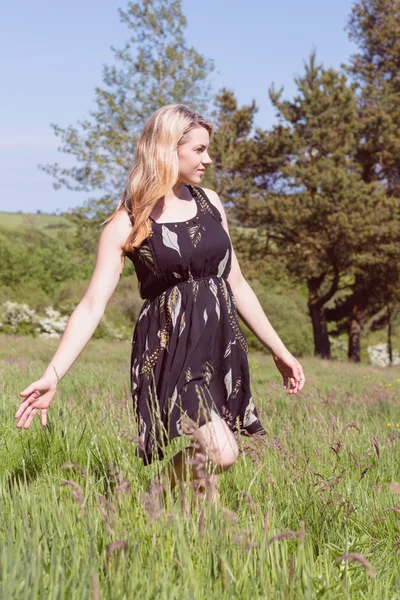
(125, 216)
(214, 199)
(118, 229)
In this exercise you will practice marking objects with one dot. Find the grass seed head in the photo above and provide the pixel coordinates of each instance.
(76, 467)
(359, 558)
(116, 546)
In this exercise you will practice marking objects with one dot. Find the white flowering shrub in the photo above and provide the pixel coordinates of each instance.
(14, 313)
(20, 319)
(52, 324)
(379, 355)
(17, 318)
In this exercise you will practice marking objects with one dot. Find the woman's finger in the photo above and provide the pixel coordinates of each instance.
(302, 379)
(30, 418)
(31, 389)
(33, 395)
(22, 407)
(24, 416)
(44, 417)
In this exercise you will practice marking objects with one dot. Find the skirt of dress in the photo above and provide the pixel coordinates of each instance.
(189, 361)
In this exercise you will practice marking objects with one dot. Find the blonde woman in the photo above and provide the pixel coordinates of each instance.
(189, 363)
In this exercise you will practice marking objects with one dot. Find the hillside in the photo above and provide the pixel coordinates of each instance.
(48, 223)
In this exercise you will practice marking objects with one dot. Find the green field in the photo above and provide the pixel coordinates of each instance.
(52, 225)
(320, 486)
(41, 221)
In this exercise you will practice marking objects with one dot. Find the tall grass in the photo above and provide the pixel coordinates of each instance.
(312, 511)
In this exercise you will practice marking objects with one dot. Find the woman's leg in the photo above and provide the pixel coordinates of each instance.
(212, 451)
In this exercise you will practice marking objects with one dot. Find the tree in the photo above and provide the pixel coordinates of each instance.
(375, 26)
(374, 274)
(233, 152)
(314, 197)
(155, 67)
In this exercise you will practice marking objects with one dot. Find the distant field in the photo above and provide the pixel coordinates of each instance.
(41, 221)
(312, 512)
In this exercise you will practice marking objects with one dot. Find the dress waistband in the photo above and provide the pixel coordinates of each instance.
(190, 280)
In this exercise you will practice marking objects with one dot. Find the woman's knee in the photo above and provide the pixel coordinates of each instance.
(227, 456)
(218, 443)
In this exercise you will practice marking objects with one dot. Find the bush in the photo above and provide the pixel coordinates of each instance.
(17, 318)
(379, 355)
(108, 331)
(339, 347)
(51, 325)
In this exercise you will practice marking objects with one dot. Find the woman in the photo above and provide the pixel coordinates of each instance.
(189, 364)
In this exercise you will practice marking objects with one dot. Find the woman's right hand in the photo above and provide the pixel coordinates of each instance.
(37, 396)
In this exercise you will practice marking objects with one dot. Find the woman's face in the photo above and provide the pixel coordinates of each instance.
(193, 156)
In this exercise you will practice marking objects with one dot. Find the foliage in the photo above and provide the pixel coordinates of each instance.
(30, 255)
(232, 151)
(310, 209)
(374, 25)
(374, 70)
(17, 318)
(22, 320)
(51, 324)
(338, 233)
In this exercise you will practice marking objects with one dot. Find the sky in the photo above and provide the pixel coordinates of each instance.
(52, 54)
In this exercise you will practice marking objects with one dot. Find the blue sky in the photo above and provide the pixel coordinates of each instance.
(51, 56)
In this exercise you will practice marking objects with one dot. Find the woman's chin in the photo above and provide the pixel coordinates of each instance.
(193, 179)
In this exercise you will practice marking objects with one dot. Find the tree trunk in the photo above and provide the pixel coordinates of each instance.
(354, 351)
(389, 332)
(322, 345)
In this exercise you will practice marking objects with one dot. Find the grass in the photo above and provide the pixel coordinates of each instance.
(77, 521)
(51, 224)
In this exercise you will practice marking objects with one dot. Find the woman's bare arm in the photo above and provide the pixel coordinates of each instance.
(88, 313)
(250, 310)
(82, 322)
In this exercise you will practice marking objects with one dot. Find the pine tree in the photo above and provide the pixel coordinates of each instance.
(233, 151)
(315, 200)
(155, 67)
(374, 274)
(375, 26)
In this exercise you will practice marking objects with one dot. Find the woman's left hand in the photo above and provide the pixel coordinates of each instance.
(291, 371)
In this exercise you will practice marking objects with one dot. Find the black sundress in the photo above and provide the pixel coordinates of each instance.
(189, 354)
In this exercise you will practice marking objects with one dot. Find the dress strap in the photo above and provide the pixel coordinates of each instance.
(205, 202)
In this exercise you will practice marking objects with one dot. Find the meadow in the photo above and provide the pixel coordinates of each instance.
(311, 511)
(46, 223)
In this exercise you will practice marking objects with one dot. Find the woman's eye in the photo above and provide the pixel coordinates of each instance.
(199, 150)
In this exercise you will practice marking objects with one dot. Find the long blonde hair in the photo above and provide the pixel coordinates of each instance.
(155, 167)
